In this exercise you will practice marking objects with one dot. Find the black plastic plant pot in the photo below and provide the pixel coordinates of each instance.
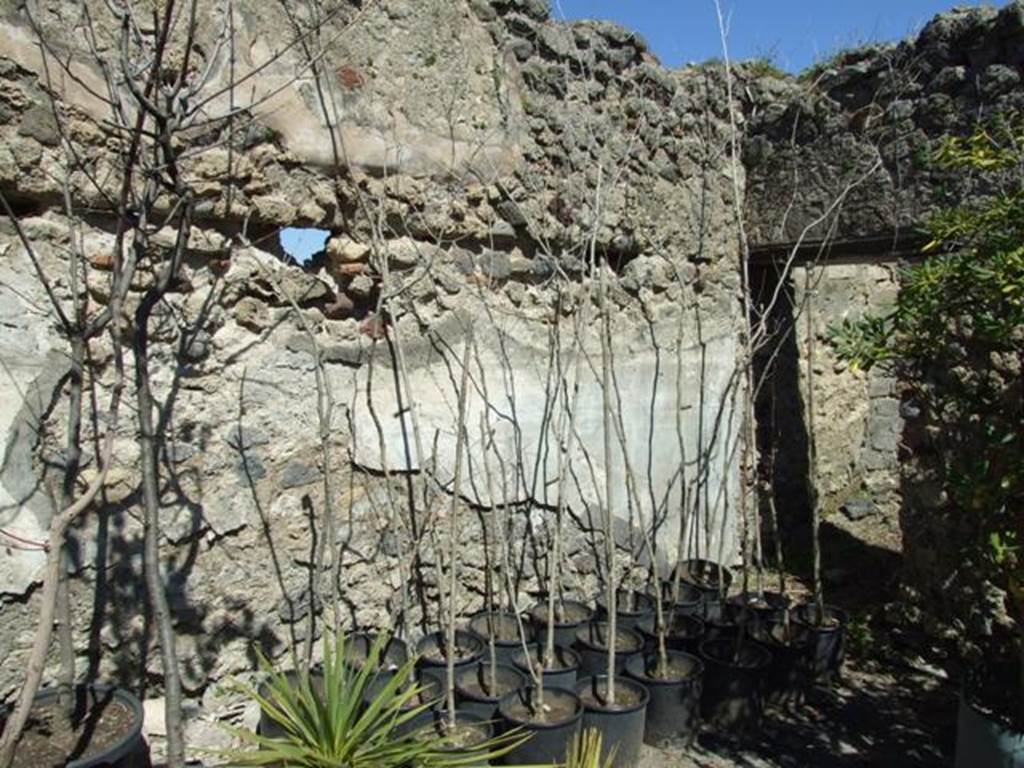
(788, 677)
(459, 743)
(733, 675)
(827, 640)
(267, 725)
(128, 749)
(631, 608)
(551, 727)
(478, 692)
(707, 576)
(592, 642)
(432, 650)
(357, 650)
(562, 674)
(750, 609)
(719, 620)
(506, 633)
(685, 633)
(688, 600)
(431, 693)
(573, 614)
(985, 740)
(673, 712)
(621, 722)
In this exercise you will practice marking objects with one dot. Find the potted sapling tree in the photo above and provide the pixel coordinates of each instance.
(613, 704)
(549, 708)
(556, 619)
(825, 624)
(668, 668)
(452, 648)
(480, 686)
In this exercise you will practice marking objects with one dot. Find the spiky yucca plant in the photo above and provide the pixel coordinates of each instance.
(329, 726)
(585, 751)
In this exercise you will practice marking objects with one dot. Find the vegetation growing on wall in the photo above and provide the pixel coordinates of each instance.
(956, 335)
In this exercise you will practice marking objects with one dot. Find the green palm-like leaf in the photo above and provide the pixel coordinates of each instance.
(325, 723)
(585, 751)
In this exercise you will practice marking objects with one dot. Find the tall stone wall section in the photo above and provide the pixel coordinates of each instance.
(493, 175)
(843, 153)
(857, 423)
(470, 162)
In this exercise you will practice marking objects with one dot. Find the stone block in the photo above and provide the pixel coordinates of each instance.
(297, 473)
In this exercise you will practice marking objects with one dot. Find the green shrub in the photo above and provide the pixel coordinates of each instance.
(956, 335)
(328, 727)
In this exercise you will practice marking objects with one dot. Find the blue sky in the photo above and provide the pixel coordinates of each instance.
(303, 243)
(794, 33)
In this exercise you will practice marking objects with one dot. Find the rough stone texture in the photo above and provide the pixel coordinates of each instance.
(811, 137)
(843, 152)
(493, 236)
(480, 135)
(857, 422)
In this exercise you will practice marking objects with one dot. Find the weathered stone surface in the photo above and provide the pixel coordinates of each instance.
(252, 313)
(434, 401)
(858, 509)
(242, 499)
(297, 474)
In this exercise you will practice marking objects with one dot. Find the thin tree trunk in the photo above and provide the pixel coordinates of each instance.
(149, 443)
(453, 530)
(72, 461)
(155, 588)
(606, 392)
(48, 598)
(812, 460)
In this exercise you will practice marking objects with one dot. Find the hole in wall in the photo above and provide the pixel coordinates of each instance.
(302, 243)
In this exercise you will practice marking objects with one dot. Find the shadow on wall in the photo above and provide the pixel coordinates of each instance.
(782, 424)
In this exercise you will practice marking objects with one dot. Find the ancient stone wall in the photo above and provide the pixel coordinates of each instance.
(474, 164)
(483, 161)
(857, 424)
(842, 154)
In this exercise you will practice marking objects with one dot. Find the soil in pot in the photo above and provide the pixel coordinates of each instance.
(479, 693)
(787, 679)
(631, 608)
(707, 576)
(357, 649)
(458, 741)
(734, 671)
(432, 649)
(827, 640)
(673, 712)
(592, 641)
(560, 673)
(621, 722)
(505, 627)
(551, 727)
(104, 730)
(685, 633)
(570, 615)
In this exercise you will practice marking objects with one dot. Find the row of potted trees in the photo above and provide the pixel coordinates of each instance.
(540, 680)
